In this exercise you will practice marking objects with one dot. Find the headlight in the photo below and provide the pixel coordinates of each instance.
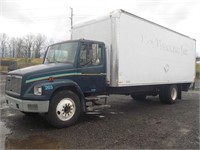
(37, 90)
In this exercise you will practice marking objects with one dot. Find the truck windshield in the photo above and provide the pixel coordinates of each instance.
(61, 53)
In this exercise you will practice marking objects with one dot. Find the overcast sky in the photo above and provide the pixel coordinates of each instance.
(51, 17)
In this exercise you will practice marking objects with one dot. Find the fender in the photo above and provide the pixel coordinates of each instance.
(49, 88)
(69, 83)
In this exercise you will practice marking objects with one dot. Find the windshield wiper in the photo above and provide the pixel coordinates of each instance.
(57, 61)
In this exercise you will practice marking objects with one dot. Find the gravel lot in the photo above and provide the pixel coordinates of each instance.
(128, 124)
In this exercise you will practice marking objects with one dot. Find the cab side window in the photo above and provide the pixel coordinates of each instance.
(90, 55)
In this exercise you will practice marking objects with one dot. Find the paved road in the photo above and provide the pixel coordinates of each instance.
(128, 124)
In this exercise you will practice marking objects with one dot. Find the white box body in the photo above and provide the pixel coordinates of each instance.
(140, 52)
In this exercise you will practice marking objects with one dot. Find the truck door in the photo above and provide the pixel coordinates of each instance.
(92, 68)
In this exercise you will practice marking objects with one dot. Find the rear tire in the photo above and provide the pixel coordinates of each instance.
(64, 109)
(169, 94)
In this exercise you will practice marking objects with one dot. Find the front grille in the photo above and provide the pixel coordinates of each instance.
(13, 84)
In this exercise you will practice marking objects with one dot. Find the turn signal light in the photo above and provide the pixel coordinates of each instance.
(50, 79)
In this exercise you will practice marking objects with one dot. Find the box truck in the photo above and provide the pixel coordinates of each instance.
(119, 53)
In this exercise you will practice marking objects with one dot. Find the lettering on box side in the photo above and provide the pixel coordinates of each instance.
(161, 45)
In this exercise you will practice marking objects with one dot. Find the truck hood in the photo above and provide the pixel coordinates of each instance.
(43, 69)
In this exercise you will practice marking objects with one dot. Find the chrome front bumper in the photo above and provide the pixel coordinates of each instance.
(27, 105)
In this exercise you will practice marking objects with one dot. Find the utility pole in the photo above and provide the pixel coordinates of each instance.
(71, 18)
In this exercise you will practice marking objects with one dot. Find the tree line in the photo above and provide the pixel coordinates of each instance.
(28, 46)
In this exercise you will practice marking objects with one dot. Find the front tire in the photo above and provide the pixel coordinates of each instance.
(64, 109)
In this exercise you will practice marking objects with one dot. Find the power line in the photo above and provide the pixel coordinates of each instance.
(31, 9)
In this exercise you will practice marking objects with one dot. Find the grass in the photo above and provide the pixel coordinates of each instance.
(198, 67)
(198, 71)
(21, 62)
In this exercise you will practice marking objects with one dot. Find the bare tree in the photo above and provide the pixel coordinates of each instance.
(28, 44)
(4, 39)
(12, 44)
(19, 47)
(39, 43)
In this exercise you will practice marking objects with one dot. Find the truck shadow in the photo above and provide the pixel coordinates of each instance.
(122, 106)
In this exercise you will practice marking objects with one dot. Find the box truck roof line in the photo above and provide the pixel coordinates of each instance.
(116, 14)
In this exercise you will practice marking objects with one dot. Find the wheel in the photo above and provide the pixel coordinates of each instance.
(64, 109)
(138, 97)
(169, 94)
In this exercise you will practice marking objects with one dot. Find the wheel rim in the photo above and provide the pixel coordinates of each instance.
(65, 109)
(174, 94)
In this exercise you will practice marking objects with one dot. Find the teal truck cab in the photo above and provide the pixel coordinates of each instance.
(72, 71)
